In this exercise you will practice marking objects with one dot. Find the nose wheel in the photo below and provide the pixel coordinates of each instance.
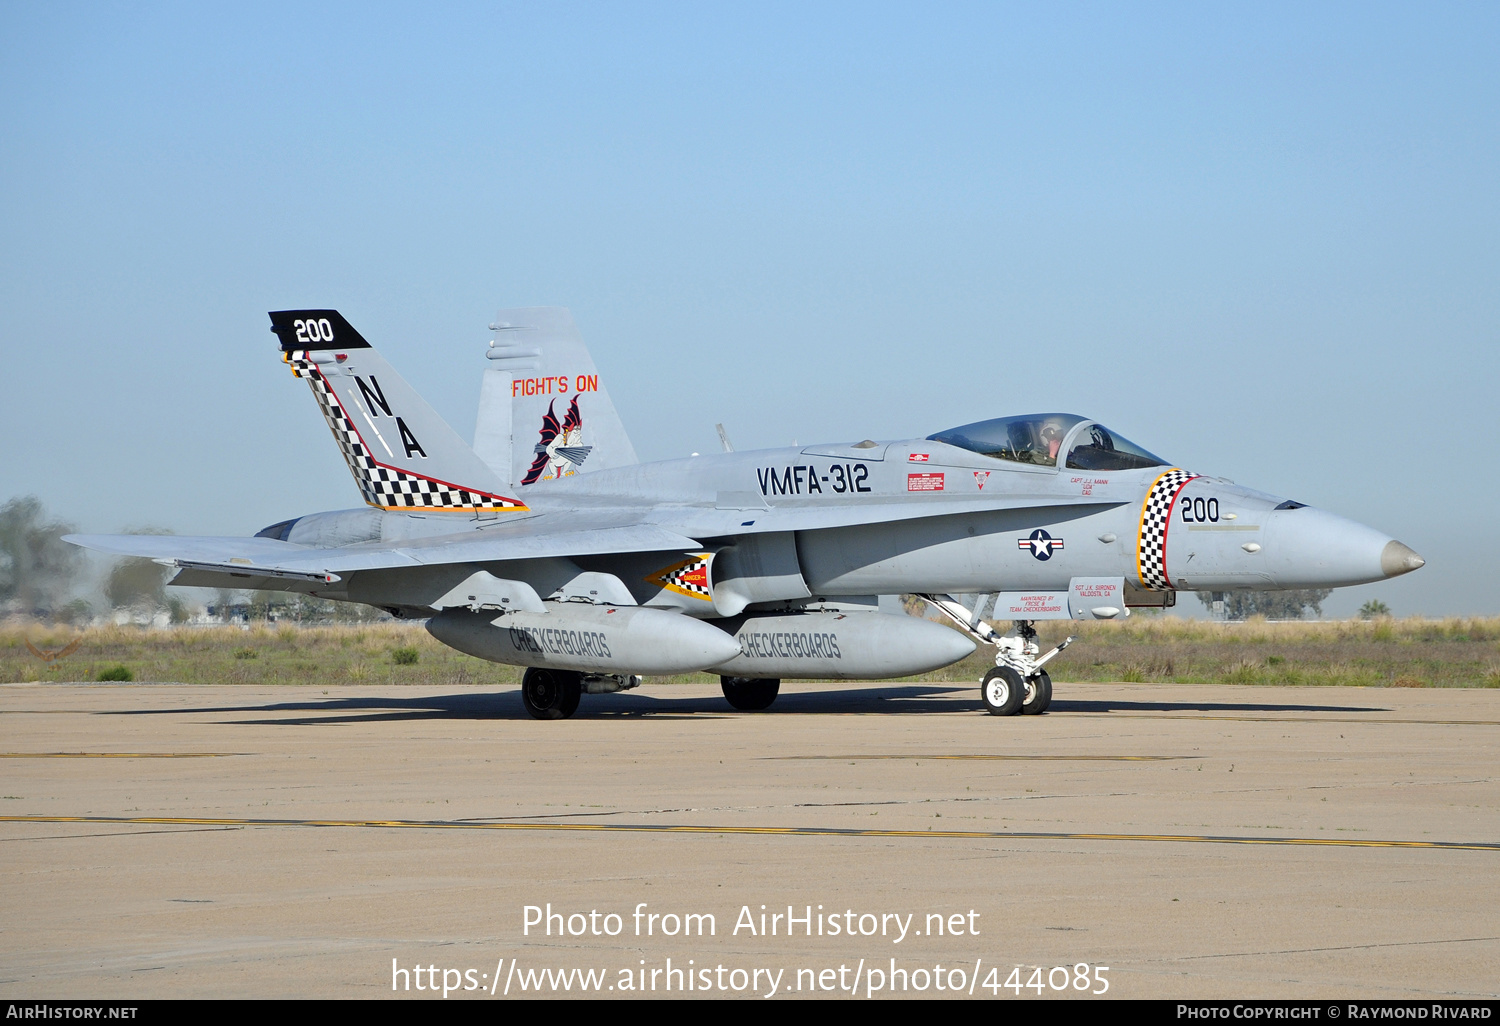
(1038, 694)
(1003, 691)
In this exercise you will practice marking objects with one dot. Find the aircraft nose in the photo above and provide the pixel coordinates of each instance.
(1312, 548)
(1397, 559)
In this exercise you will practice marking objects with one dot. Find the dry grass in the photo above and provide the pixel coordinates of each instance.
(366, 654)
(1380, 653)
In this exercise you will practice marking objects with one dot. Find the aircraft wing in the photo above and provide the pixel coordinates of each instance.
(266, 557)
(176, 546)
(600, 531)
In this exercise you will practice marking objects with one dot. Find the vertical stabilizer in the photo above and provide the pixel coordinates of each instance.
(544, 411)
(402, 454)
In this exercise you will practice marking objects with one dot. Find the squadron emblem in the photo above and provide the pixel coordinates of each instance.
(559, 452)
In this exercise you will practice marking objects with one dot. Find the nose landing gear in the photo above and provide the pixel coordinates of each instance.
(1017, 683)
(1003, 691)
(1019, 654)
(1038, 694)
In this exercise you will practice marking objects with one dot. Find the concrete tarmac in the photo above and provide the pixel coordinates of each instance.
(1200, 842)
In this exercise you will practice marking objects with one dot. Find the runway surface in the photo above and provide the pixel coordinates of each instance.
(172, 840)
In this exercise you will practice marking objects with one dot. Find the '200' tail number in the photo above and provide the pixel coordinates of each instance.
(314, 331)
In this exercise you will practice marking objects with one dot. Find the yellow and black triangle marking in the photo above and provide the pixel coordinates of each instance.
(689, 577)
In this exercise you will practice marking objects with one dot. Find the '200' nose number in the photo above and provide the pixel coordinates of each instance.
(1201, 511)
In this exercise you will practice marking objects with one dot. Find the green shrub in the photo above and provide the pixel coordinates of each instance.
(116, 673)
(404, 656)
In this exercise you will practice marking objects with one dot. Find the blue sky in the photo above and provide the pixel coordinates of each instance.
(1260, 240)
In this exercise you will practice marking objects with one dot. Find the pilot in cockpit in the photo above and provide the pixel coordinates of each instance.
(1052, 435)
(1035, 441)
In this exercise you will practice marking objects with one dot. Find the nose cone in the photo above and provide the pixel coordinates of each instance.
(1311, 548)
(1397, 559)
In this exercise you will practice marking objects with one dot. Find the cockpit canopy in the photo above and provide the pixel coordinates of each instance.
(1036, 439)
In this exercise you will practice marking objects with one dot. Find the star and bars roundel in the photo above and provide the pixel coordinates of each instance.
(1156, 517)
(1041, 544)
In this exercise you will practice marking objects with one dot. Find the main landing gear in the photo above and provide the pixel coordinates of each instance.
(551, 694)
(554, 694)
(750, 694)
(1017, 683)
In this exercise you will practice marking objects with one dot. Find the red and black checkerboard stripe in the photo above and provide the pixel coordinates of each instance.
(382, 486)
(1156, 518)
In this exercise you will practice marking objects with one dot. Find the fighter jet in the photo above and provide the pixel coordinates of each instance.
(548, 545)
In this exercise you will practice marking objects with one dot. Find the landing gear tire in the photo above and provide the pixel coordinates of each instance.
(1002, 691)
(551, 694)
(1038, 694)
(750, 694)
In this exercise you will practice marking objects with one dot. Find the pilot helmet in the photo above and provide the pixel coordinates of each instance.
(1052, 435)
